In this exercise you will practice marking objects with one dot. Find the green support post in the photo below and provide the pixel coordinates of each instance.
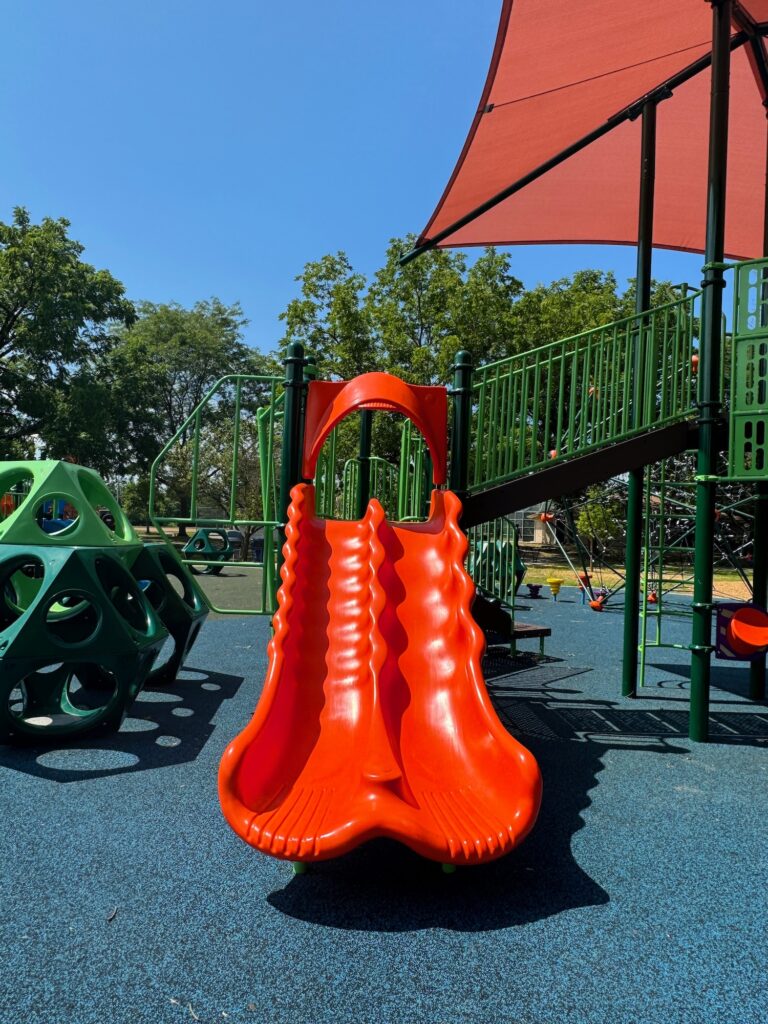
(364, 463)
(461, 393)
(709, 373)
(760, 526)
(290, 466)
(759, 582)
(635, 482)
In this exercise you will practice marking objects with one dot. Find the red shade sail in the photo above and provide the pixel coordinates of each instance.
(557, 127)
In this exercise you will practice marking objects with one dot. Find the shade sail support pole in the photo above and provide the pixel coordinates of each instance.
(662, 91)
(760, 522)
(635, 482)
(709, 373)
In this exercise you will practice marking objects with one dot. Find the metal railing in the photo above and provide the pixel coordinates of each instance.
(568, 397)
(383, 485)
(221, 470)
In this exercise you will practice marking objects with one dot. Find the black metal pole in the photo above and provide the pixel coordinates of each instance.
(760, 525)
(364, 463)
(635, 482)
(709, 372)
(461, 393)
(290, 465)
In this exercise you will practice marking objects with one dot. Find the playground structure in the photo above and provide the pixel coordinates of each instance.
(85, 607)
(574, 398)
(359, 739)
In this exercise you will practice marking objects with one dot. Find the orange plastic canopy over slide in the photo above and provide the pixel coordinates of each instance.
(374, 719)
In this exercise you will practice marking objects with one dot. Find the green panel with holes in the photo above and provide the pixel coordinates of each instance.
(748, 457)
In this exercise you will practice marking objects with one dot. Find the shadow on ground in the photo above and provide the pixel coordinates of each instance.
(167, 725)
(383, 886)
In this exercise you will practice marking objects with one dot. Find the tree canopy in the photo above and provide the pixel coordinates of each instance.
(56, 316)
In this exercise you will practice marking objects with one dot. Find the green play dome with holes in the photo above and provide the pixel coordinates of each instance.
(49, 503)
(85, 606)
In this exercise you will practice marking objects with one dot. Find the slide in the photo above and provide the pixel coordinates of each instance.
(374, 719)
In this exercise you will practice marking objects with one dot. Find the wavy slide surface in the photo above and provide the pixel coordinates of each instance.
(374, 719)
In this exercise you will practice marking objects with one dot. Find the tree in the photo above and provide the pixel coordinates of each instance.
(55, 312)
(159, 371)
(329, 318)
(600, 520)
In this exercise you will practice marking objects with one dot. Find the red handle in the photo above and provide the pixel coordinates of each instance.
(328, 402)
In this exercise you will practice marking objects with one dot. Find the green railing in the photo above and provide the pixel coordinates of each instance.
(221, 470)
(569, 397)
(383, 485)
(748, 455)
(414, 482)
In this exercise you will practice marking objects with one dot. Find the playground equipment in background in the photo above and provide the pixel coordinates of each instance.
(211, 545)
(668, 553)
(554, 583)
(573, 398)
(390, 733)
(84, 610)
(494, 561)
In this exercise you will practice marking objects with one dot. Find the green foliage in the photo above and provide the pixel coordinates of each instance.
(409, 320)
(158, 371)
(600, 520)
(56, 313)
(330, 319)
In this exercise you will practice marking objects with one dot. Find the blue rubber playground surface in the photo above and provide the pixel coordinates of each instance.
(640, 896)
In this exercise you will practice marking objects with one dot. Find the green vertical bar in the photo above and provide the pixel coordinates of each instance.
(635, 483)
(536, 407)
(573, 399)
(363, 489)
(195, 467)
(404, 474)
(235, 457)
(709, 372)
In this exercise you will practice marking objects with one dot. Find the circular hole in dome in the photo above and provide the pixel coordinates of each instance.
(71, 617)
(104, 505)
(153, 591)
(56, 516)
(124, 593)
(166, 653)
(14, 489)
(179, 581)
(20, 581)
(61, 695)
(182, 712)
(90, 687)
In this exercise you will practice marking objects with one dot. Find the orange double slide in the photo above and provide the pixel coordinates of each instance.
(374, 719)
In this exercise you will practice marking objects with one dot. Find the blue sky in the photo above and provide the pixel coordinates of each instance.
(203, 149)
